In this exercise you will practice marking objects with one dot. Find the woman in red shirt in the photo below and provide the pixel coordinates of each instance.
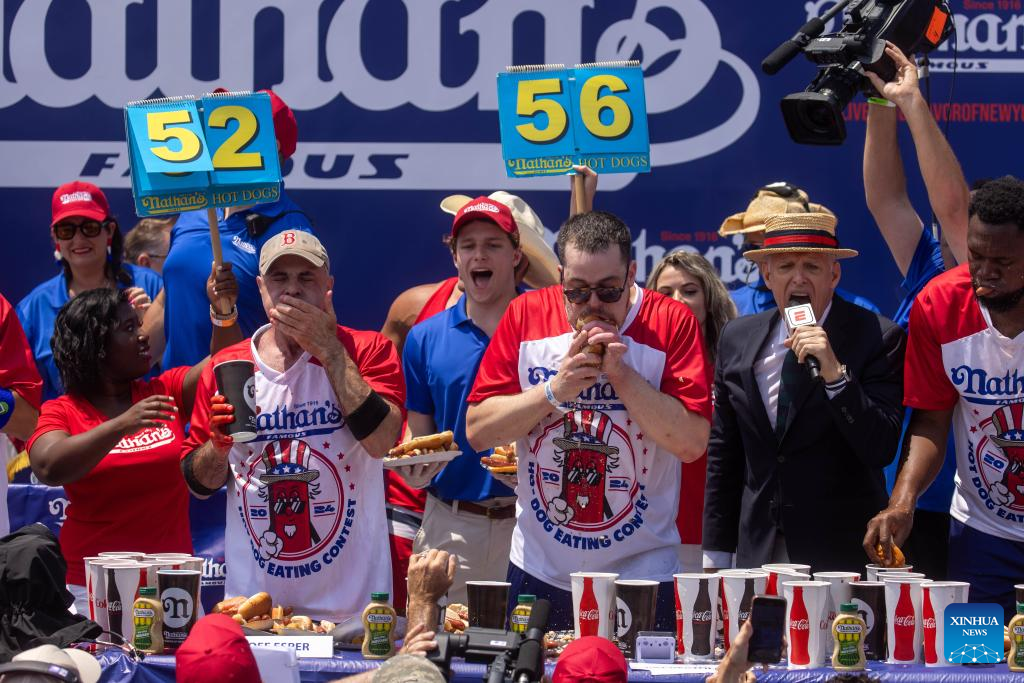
(113, 440)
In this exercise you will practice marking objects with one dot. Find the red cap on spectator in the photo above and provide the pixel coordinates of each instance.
(590, 660)
(216, 651)
(286, 130)
(485, 209)
(78, 198)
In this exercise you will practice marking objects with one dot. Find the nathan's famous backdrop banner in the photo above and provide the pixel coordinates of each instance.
(397, 107)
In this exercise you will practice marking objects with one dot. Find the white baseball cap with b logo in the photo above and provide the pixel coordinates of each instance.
(296, 242)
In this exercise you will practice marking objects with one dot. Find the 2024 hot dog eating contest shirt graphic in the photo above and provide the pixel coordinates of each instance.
(305, 499)
(589, 477)
(957, 359)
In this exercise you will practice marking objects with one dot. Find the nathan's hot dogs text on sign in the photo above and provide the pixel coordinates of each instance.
(187, 153)
(502, 461)
(592, 114)
(421, 445)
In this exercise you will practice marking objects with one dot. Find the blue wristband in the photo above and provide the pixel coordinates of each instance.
(6, 406)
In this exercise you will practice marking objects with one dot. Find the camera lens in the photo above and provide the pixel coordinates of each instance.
(818, 117)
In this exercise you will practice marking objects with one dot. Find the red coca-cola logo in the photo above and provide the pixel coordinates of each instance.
(702, 617)
(928, 623)
(589, 615)
(800, 624)
(907, 621)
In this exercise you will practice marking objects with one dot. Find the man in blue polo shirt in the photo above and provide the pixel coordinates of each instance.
(243, 232)
(468, 513)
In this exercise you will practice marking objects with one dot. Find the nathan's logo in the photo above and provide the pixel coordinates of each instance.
(988, 35)
(976, 382)
(75, 197)
(146, 439)
(178, 607)
(973, 633)
(298, 421)
(680, 42)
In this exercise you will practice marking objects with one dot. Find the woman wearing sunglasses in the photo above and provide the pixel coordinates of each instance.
(113, 440)
(689, 278)
(89, 247)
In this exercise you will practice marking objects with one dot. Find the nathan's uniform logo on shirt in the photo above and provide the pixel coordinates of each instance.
(243, 245)
(588, 483)
(144, 440)
(997, 462)
(294, 507)
(294, 422)
(598, 396)
(976, 386)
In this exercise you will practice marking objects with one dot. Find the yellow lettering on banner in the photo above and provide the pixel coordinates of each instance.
(527, 104)
(159, 125)
(592, 104)
(228, 156)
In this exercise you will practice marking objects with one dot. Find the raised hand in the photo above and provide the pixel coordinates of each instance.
(152, 411)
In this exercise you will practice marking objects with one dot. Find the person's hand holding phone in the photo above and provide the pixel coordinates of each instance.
(735, 668)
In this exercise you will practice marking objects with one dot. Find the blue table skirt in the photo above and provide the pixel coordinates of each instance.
(119, 668)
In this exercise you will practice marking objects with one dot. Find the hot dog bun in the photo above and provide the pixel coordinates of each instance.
(256, 606)
(229, 606)
(597, 349)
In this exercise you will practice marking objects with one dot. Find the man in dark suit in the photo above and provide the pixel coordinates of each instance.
(795, 463)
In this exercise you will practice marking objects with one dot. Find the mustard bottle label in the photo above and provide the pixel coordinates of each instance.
(520, 619)
(378, 632)
(848, 636)
(1016, 658)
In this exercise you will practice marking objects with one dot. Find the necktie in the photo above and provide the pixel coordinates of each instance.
(787, 390)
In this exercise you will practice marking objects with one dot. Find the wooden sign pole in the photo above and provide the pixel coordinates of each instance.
(578, 192)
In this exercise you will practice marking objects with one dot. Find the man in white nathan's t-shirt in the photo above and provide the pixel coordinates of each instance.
(305, 504)
(965, 366)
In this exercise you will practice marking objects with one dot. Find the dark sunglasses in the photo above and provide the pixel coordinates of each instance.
(608, 295)
(89, 228)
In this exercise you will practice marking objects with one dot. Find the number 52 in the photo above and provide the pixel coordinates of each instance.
(530, 101)
(164, 126)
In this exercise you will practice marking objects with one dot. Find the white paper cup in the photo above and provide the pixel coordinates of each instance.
(901, 574)
(602, 584)
(96, 587)
(936, 596)
(777, 573)
(119, 555)
(696, 595)
(903, 618)
(122, 582)
(804, 619)
(838, 593)
(739, 587)
(871, 570)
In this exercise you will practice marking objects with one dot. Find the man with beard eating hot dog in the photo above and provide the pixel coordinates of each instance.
(599, 436)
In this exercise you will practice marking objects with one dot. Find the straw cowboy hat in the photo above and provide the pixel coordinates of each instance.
(770, 200)
(543, 270)
(811, 233)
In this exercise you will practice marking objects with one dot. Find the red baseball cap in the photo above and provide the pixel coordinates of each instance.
(216, 651)
(78, 198)
(485, 209)
(591, 659)
(286, 130)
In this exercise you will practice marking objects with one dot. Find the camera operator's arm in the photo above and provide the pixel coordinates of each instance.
(430, 576)
(943, 178)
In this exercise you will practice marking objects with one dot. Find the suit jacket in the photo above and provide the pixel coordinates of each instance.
(821, 479)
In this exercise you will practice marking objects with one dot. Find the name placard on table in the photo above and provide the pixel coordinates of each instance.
(303, 646)
(594, 114)
(188, 153)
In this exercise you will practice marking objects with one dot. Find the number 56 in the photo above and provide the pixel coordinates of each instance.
(530, 101)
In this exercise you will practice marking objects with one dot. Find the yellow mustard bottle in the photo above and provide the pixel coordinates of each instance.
(521, 613)
(379, 627)
(1015, 660)
(848, 630)
(148, 617)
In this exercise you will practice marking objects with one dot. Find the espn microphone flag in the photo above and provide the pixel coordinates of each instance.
(800, 314)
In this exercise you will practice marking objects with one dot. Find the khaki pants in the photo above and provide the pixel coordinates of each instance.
(480, 544)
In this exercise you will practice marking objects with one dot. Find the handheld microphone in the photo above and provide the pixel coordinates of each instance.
(799, 313)
(530, 665)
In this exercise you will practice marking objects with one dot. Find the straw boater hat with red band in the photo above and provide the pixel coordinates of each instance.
(811, 233)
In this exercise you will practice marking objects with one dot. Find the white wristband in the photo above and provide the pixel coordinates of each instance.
(550, 395)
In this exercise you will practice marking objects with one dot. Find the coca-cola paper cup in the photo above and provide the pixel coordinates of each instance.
(122, 583)
(805, 614)
(884, 574)
(838, 593)
(869, 596)
(96, 587)
(593, 604)
(903, 619)
(697, 617)
(935, 597)
(777, 573)
(121, 555)
(739, 586)
(871, 570)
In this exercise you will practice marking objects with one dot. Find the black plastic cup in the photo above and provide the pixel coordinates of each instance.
(235, 382)
(179, 596)
(869, 596)
(634, 612)
(488, 602)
